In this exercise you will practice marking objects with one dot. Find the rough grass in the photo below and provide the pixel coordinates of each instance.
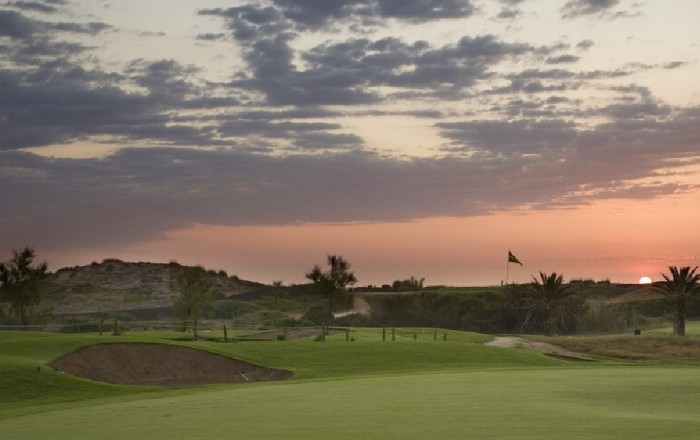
(656, 345)
(649, 348)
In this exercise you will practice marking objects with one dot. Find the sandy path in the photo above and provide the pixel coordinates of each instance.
(550, 349)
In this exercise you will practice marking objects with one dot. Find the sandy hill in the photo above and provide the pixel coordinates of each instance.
(115, 285)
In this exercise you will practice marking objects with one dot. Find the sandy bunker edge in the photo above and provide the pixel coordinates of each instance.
(164, 365)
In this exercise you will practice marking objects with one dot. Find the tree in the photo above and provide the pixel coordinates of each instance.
(21, 283)
(682, 284)
(549, 302)
(333, 283)
(195, 293)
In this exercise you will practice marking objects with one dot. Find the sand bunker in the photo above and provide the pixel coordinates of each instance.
(548, 349)
(160, 365)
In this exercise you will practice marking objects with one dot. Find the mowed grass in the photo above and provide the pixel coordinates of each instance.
(601, 403)
(26, 379)
(408, 388)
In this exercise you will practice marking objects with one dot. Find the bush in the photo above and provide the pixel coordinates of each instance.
(609, 318)
(318, 315)
(353, 320)
(230, 309)
(122, 316)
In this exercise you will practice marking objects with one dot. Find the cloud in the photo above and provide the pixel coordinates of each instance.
(563, 59)
(424, 10)
(211, 36)
(16, 25)
(674, 64)
(348, 73)
(585, 44)
(578, 8)
(46, 7)
(276, 139)
(493, 166)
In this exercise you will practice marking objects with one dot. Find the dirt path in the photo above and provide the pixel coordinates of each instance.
(543, 347)
(359, 305)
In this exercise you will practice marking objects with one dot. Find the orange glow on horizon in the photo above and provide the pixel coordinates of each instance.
(615, 240)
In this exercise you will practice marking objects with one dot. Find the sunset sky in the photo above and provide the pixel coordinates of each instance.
(416, 138)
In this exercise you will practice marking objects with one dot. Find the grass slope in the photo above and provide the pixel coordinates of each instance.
(23, 385)
(602, 403)
(363, 389)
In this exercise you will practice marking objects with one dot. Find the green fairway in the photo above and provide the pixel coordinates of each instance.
(600, 403)
(414, 387)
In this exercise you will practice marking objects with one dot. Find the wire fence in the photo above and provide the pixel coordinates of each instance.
(226, 332)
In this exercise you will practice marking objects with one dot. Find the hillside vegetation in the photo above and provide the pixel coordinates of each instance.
(145, 291)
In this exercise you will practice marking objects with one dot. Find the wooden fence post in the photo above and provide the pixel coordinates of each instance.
(383, 333)
(393, 333)
(225, 334)
(101, 321)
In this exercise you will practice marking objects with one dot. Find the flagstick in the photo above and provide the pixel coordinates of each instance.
(507, 268)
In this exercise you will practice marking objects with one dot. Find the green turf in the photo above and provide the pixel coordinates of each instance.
(414, 387)
(602, 403)
(25, 386)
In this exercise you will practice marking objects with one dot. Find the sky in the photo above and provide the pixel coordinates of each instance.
(424, 138)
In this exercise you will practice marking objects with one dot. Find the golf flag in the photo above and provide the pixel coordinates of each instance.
(512, 259)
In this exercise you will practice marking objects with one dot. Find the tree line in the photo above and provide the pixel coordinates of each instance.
(545, 305)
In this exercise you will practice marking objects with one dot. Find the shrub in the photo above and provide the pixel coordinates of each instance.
(318, 315)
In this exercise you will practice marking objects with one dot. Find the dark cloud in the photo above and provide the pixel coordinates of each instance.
(563, 59)
(509, 13)
(16, 25)
(577, 8)
(674, 64)
(277, 149)
(140, 193)
(248, 20)
(424, 10)
(44, 7)
(211, 37)
(81, 28)
(346, 73)
(510, 10)
(585, 44)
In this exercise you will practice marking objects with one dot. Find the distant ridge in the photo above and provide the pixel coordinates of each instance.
(116, 285)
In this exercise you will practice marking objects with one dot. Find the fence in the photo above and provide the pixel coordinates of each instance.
(223, 332)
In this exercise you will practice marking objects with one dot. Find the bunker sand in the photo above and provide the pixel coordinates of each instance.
(160, 365)
(543, 347)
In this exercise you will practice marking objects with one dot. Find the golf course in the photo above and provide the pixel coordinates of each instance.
(412, 385)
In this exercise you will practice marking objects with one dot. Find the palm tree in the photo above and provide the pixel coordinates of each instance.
(682, 284)
(547, 299)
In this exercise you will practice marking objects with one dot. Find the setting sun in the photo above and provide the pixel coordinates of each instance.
(645, 280)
